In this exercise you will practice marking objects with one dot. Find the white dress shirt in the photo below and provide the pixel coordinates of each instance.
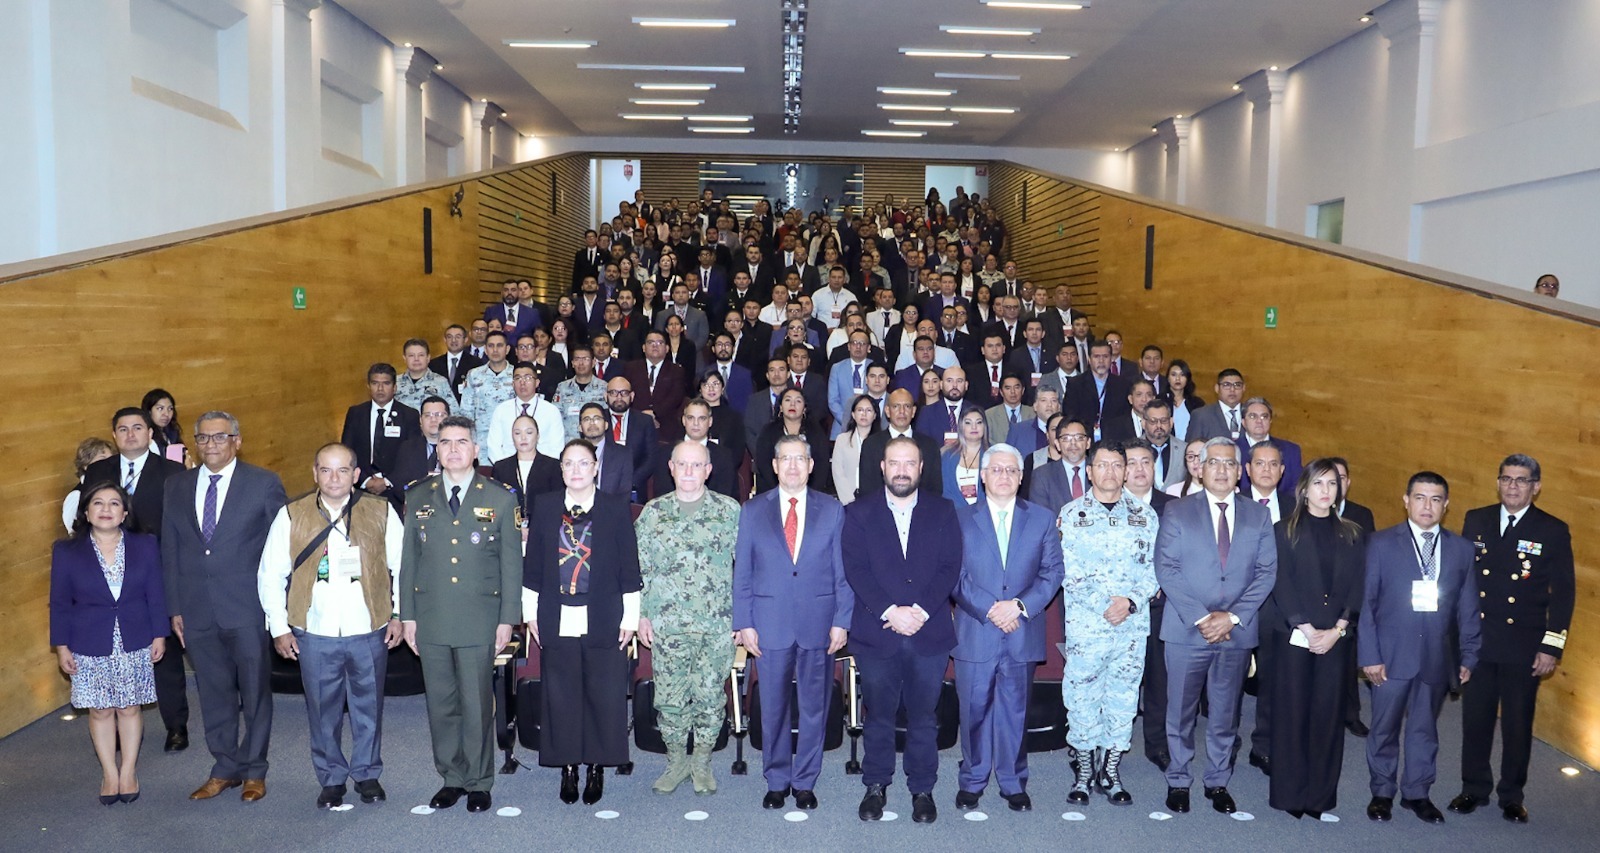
(1269, 500)
(1211, 504)
(338, 605)
(552, 427)
(204, 484)
(799, 513)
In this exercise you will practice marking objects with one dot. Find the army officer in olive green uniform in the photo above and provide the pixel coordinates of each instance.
(460, 593)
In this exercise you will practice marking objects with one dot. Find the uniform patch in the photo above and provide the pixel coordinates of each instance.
(1529, 547)
(425, 513)
(476, 537)
(483, 513)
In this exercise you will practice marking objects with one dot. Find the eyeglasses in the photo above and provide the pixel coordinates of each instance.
(1072, 438)
(1519, 482)
(1225, 464)
(214, 438)
(592, 419)
(1007, 471)
(1232, 386)
(577, 464)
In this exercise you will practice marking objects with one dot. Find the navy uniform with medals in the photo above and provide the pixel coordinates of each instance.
(1526, 591)
(461, 578)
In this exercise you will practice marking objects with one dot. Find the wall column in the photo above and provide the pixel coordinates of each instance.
(480, 146)
(293, 128)
(1265, 91)
(412, 67)
(1174, 132)
(1410, 27)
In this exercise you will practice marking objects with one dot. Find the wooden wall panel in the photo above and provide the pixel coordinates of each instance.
(531, 228)
(903, 179)
(668, 176)
(1393, 368)
(1053, 232)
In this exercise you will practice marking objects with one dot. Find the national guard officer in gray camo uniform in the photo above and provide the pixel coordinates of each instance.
(487, 386)
(417, 383)
(686, 547)
(1108, 542)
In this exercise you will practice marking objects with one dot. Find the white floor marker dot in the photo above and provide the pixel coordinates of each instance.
(343, 807)
(976, 817)
(891, 816)
(1329, 818)
(1077, 816)
(422, 810)
(508, 811)
(696, 815)
(1242, 816)
(606, 814)
(795, 817)
(1160, 816)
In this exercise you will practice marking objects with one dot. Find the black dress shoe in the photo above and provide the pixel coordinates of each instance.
(1424, 809)
(569, 784)
(1357, 728)
(332, 795)
(177, 740)
(1313, 814)
(923, 809)
(1178, 800)
(1513, 812)
(1019, 802)
(872, 803)
(446, 797)
(1261, 761)
(774, 799)
(1465, 803)
(594, 784)
(967, 799)
(478, 801)
(1381, 809)
(1160, 759)
(805, 799)
(1221, 800)
(370, 791)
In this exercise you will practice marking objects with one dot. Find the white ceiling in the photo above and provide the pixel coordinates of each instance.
(1135, 62)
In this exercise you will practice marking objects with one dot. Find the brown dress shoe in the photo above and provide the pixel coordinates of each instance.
(213, 787)
(254, 789)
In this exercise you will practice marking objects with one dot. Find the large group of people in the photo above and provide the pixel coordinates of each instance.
(871, 435)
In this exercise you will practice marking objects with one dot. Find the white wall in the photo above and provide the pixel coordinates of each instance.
(947, 178)
(614, 185)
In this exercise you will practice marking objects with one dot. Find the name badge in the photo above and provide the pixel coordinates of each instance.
(425, 513)
(1425, 596)
(856, 391)
(574, 621)
(950, 436)
(1035, 377)
(348, 565)
(391, 431)
(572, 411)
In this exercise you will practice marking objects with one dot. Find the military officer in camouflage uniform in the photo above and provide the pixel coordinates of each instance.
(418, 383)
(583, 387)
(487, 386)
(460, 593)
(1108, 541)
(686, 545)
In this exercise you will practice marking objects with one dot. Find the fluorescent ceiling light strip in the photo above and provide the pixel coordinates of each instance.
(900, 122)
(956, 30)
(553, 45)
(944, 54)
(993, 110)
(958, 75)
(719, 118)
(703, 23)
(702, 69)
(904, 133)
(666, 102)
(1057, 57)
(901, 90)
(713, 171)
(722, 130)
(649, 117)
(918, 108)
(733, 164)
(676, 87)
(1052, 5)
(721, 180)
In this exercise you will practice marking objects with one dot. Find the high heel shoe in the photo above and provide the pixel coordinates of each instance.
(128, 798)
(109, 799)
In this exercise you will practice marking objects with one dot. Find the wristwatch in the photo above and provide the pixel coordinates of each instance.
(1233, 618)
(1133, 606)
(1021, 608)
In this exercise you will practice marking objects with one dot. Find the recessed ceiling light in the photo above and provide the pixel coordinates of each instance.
(995, 110)
(1272, 68)
(906, 122)
(666, 102)
(676, 87)
(553, 45)
(722, 180)
(702, 23)
(649, 117)
(408, 44)
(945, 54)
(1568, 771)
(988, 31)
(1037, 4)
(1237, 87)
(438, 67)
(956, 75)
(701, 69)
(903, 133)
(719, 118)
(733, 164)
(900, 90)
(920, 108)
(713, 171)
(1014, 55)
(722, 129)
(1366, 19)
(1179, 115)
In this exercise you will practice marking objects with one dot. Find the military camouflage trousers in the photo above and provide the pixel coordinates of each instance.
(1100, 685)
(690, 671)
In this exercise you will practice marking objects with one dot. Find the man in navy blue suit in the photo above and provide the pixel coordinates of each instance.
(737, 383)
(1011, 566)
(1257, 431)
(941, 421)
(1419, 587)
(792, 610)
(515, 318)
(902, 626)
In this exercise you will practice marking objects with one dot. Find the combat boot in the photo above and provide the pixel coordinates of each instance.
(700, 766)
(677, 769)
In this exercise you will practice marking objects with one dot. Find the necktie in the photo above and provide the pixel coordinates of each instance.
(1013, 417)
(127, 482)
(653, 378)
(616, 428)
(886, 319)
(1511, 524)
(855, 379)
(1263, 501)
(1224, 539)
(377, 432)
(1430, 566)
(800, 381)
(791, 527)
(511, 317)
(600, 369)
(430, 463)
(724, 371)
(455, 500)
(952, 418)
(524, 408)
(208, 517)
(1033, 353)
(1116, 368)
(994, 375)
(1077, 483)
(1233, 421)
(774, 405)
(454, 360)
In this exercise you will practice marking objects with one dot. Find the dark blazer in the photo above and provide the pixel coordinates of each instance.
(1536, 590)
(552, 373)
(583, 265)
(765, 450)
(528, 319)
(376, 455)
(738, 388)
(934, 420)
(1019, 361)
(613, 565)
(790, 601)
(1195, 581)
(981, 390)
(910, 378)
(441, 365)
(619, 469)
(1292, 466)
(882, 577)
(965, 348)
(1361, 516)
(414, 461)
(1303, 593)
(213, 584)
(1082, 401)
(724, 476)
(1407, 643)
(1033, 573)
(82, 610)
(544, 476)
(1119, 428)
(666, 400)
(145, 514)
(998, 327)
(871, 479)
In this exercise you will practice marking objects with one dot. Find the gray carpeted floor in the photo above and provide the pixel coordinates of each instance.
(48, 783)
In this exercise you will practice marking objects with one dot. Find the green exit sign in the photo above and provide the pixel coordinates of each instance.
(1272, 318)
(299, 299)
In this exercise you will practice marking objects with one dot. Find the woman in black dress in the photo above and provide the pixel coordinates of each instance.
(1321, 569)
(583, 584)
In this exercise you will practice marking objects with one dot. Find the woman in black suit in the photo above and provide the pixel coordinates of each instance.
(108, 622)
(680, 350)
(793, 420)
(526, 470)
(164, 411)
(1321, 569)
(581, 571)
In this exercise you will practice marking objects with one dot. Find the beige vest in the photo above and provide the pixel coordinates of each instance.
(369, 520)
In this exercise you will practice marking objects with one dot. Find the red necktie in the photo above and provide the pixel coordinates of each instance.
(799, 382)
(791, 527)
(1116, 369)
(1224, 539)
(600, 369)
(1077, 483)
(994, 375)
(616, 429)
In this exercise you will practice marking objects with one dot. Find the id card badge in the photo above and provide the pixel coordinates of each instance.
(950, 436)
(347, 566)
(1425, 596)
(1035, 378)
(391, 431)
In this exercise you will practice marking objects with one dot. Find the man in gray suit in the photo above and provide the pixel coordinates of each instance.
(1169, 465)
(1058, 483)
(211, 543)
(1226, 415)
(696, 328)
(1216, 560)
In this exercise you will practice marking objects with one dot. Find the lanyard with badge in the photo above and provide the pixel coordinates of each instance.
(1425, 592)
(349, 563)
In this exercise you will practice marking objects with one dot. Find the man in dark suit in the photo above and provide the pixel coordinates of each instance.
(709, 280)
(952, 338)
(736, 382)
(211, 543)
(1058, 318)
(1224, 417)
(1007, 323)
(376, 429)
(589, 306)
(1131, 424)
(812, 383)
(143, 475)
(1011, 567)
(762, 408)
(1421, 626)
(1216, 561)
(1120, 366)
(589, 260)
(1526, 588)
(1097, 397)
(942, 422)
(791, 611)
(634, 432)
(902, 629)
(1063, 480)
(806, 276)
(899, 408)
(1152, 368)
(724, 475)
(762, 274)
(1257, 431)
(418, 456)
(1170, 466)
(615, 460)
(690, 305)
(514, 318)
(1030, 359)
(984, 374)
(455, 361)
(659, 386)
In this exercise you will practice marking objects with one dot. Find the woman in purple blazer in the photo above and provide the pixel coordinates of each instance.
(108, 622)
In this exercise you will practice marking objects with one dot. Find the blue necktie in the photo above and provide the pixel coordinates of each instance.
(208, 517)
